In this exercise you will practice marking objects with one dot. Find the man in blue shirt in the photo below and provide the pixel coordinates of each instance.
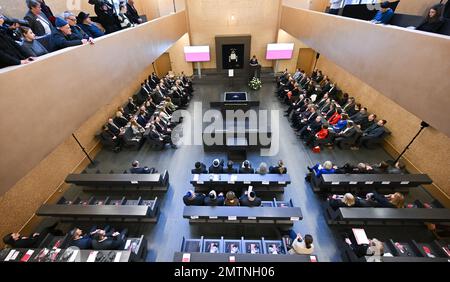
(384, 15)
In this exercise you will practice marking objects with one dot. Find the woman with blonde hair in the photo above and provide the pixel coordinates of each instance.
(396, 200)
(374, 248)
(136, 127)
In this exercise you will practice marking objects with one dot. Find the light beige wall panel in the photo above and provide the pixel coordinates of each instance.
(209, 18)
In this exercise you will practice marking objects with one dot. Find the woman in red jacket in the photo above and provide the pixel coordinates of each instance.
(320, 135)
(335, 118)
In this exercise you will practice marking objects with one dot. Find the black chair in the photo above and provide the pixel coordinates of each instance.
(346, 143)
(373, 143)
(131, 141)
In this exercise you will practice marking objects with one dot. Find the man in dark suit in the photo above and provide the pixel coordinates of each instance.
(61, 38)
(346, 134)
(156, 135)
(311, 128)
(246, 168)
(194, 199)
(249, 199)
(360, 116)
(11, 53)
(216, 167)
(214, 200)
(199, 168)
(117, 131)
(136, 169)
(132, 13)
(307, 120)
(109, 241)
(230, 169)
(367, 122)
(15, 240)
(372, 132)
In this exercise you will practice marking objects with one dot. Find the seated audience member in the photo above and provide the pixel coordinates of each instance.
(194, 199)
(315, 139)
(77, 32)
(348, 132)
(125, 22)
(132, 13)
(262, 169)
(213, 199)
(30, 45)
(399, 168)
(15, 240)
(309, 131)
(372, 132)
(367, 122)
(86, 24)
(249, 199)
(106, 15)
(300, 245)
(374, 248)
(231, 199)
(326, 168)
(440, 230)
(109, 137)
(230, 169)
(246, 168)
(158, 136)
(136, 169)
(118, 131)
(278, 169)
(336, 117)
(137, 129)
(433, 22)
(11, 53)
(396, 200)
(13, 28)
(81, 240)
(46, 11)
(131, 106)
(341, 124)
(62, 37)
(359, 116)
(216, 167)
(120, 120)
(199, 168)
(384, 15)
(37, 20)
(346, 201)
(109, 241)
(381, 168)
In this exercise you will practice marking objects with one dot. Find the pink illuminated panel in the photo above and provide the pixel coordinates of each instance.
(279, 51)
(197, 53)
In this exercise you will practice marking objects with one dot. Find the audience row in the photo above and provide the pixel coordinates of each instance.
(248, 199)
(246, 168)
(22, 41)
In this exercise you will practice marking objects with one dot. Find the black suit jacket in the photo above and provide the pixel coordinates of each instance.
(132, 14)
(36, 25)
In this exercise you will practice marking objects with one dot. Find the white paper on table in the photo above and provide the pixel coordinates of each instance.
(196, 177)
(10, 254)
(14, 256)
(186, 257)
(232, 218)
(74, 256)
(118, 255)
(404, 182)
(295, 218)
(265, 183)
(360, 236)
(252, 217)
(127, 244)
(92, 256)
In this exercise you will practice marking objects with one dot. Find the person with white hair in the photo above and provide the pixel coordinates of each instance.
(213, 199)
(374, 248)
(77, 32)
(326, 168)
(249, 198)
(216, 167)
(193, 199)
(246, 168)
(262, 169)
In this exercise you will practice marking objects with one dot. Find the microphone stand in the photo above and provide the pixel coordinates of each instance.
(92, 162)
(423, 125)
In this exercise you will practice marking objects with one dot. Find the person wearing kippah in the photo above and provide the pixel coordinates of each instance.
(61, 38)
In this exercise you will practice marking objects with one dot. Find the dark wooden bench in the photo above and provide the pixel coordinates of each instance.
(368, 182)
(387, 216)
(100, 181)
(226, 182)
(275, 214)
(57, 255)
(109, 210)
(199, 251)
